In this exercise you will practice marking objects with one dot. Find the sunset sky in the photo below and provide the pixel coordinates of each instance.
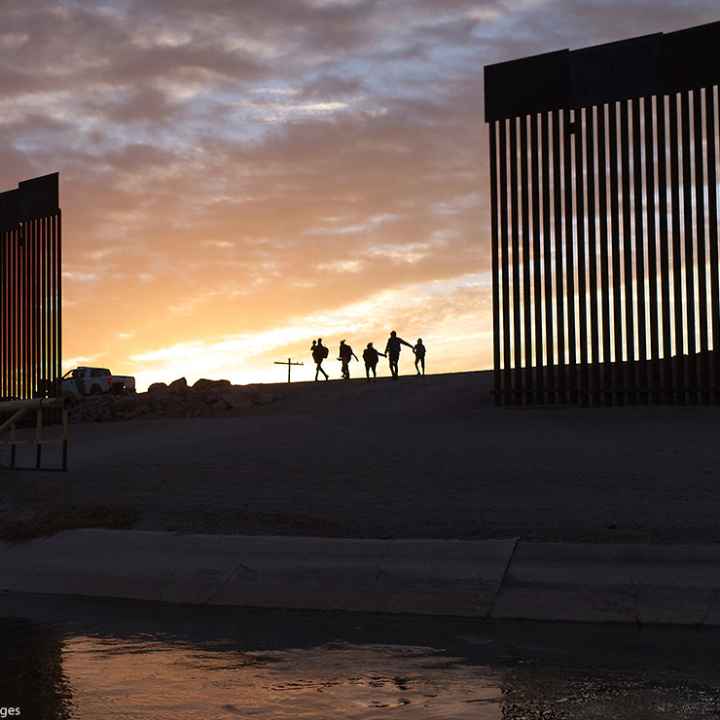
(239, 177)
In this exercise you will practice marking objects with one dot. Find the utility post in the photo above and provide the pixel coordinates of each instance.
(289, 364)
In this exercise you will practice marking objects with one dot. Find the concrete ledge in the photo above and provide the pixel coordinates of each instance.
(492, 578)
(412, 576)
(612, 583)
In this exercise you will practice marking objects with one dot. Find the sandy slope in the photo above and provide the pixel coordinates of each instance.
(423, 457)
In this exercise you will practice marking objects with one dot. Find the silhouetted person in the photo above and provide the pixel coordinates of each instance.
(370, 356)
(346, 354)
(319, 353)
(419, 351)
(392, 349)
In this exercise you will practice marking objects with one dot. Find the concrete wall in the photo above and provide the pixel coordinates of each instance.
(487, 579)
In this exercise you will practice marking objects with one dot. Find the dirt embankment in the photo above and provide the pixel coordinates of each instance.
(420, 457)
(454, 393)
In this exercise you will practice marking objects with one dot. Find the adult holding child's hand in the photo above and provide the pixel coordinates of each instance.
(392, 350)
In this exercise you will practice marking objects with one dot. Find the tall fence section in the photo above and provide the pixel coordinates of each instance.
(30, 290)
(30, 323)
(604, 195)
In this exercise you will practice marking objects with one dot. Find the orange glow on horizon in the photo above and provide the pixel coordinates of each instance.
(240, 178)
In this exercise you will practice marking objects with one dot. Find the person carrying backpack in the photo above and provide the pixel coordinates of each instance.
(370, 356)
(319, 353)
(346, 354)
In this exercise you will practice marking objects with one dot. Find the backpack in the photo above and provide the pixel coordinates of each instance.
(324, 352)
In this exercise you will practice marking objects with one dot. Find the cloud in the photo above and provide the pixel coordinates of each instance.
(69, 363)
(456, 205)
(341, 266)
(80, 277)
(220, 244)
(13, 41)
(230, 169)
(438, 310)
(372, 223)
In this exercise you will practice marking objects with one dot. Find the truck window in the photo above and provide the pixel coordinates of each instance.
(99, 372)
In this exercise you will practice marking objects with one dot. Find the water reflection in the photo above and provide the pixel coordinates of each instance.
(350, 681)
(32, 676)
(89, 660)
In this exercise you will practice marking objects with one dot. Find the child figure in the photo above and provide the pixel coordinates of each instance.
(419, 351)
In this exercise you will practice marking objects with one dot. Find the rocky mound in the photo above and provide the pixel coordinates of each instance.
(206, 398)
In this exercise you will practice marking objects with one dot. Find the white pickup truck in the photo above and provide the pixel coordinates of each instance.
(96, 381)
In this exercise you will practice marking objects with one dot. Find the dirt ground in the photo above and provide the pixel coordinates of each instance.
(421, 457)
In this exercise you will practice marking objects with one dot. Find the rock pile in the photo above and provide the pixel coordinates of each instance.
(206, 398)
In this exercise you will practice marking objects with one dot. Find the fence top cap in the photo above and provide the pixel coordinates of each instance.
(34, 198)
(660, 63)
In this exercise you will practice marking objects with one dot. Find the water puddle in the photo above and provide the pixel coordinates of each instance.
(90, 661)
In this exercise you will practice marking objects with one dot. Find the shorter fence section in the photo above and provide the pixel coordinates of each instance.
(30, 290)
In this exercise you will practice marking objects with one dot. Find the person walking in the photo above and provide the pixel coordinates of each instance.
(346, 354)
(392, 348)
(370, 356)
(319, 353)
(419, 351)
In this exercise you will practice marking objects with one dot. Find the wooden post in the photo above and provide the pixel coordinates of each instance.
(66, 434)
(10, 422)
(38, 438)
(289, 364)
(13, 447)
